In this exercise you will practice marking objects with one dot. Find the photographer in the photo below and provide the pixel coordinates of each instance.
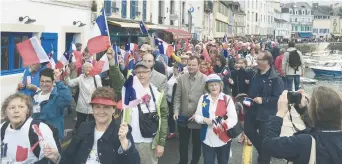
(325, 112)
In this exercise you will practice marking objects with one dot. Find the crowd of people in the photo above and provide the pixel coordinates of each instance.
(210, 91)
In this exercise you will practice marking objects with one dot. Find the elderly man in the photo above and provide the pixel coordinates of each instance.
(157, 79)
(149, 144)
(158, 66)
(265, 88)
(190, 87)
(244, 50)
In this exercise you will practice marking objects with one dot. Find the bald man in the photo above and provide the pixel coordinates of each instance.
(158, 80)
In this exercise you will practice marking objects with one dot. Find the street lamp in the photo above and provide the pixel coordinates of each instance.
(28, 21)
(80, 25)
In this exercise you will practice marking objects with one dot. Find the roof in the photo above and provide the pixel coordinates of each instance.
(297, 5)
(322, 11)
(280, 20)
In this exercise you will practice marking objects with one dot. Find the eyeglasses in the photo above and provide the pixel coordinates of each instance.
(46, 82)
(142, 72)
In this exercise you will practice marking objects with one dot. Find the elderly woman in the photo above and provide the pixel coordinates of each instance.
(19, 147)
(101, 140)
(87, 85)
(216, 111)
(323, 142)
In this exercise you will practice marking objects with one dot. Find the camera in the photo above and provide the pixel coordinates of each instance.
(154, 117)
(294, 97)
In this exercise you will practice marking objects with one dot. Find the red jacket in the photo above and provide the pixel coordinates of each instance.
(278, 64)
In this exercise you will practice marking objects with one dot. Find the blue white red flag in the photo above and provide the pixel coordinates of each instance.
(99, 39)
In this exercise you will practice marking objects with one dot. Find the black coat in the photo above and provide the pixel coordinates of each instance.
(107, 146)
(297, 148)
(239, 77)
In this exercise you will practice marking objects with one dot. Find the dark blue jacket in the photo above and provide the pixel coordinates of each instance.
(239, 77)
(52, 110)
(108, 145)
(269, 87)
(297, 148)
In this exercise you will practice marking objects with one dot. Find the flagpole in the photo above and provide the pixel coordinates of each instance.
(106, 25)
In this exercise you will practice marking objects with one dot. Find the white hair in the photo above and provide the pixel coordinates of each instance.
(87, 64)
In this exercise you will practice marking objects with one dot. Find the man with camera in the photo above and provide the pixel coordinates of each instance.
(265, 88)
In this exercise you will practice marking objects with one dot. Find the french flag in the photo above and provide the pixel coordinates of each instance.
(52, 63)
(32, 52)
(100, 66)
(99, 39)
(164, 48)
(131, 47)
(247, 101)
(143, 28)
(132, 92)
(225, 46)
(116, 53)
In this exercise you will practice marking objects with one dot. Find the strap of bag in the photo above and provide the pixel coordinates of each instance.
(95, 81)
(154, 100)
(313, 151)
(3, 130)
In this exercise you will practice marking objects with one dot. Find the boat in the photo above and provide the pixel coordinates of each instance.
(329, 68)
(305, 80)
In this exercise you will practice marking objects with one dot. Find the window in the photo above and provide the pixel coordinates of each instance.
(261, 18)
(145, 8)
(309, 20)
(11, 61)
(296, 12)
(248, 16)
(123, 8)
(315, 30)
(303, 12)
(296, 28)
(134, 9)
(303, 19)
(256, 17)
(292, 28)
(295, 19)
(308, 12)
(290, 19)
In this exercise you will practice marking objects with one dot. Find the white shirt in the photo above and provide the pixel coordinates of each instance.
(251, 60)
(137, 137)
(93, 157)
(211, 139)
(170, 83)
(86, 88)
(39, 98)
(18, 142)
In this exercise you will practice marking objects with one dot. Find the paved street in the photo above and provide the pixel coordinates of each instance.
(171, 155)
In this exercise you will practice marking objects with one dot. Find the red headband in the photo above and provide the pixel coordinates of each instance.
(103, 101)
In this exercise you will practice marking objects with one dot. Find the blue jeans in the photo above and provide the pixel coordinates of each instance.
(289, 82)
(222, 153)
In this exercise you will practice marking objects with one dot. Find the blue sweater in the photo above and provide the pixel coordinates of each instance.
(52, 110)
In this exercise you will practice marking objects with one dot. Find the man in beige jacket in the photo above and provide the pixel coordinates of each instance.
(190, 87)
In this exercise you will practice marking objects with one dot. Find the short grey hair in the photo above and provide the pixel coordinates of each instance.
(282, 50)
(23, 97)
(86, 64)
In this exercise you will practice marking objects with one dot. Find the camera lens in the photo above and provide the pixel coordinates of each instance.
(294, 97)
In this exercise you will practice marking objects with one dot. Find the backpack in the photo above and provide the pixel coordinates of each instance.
(294, 60)
(33, 137)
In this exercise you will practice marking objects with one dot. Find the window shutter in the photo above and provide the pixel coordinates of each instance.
(123, 8)
(49, 42)
(108, 7)
(144, 10)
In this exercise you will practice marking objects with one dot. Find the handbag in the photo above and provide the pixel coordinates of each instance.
(237, 129)
(148, 122)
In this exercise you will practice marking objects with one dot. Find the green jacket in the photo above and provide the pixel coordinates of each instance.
(117, 80)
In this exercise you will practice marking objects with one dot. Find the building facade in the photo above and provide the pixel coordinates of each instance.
(238, 19)
(55, 31)
(301, 19)
(321, 22)
(282, 26)
(223, 15)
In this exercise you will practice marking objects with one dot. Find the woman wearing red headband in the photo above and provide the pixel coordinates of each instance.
(101, 140)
